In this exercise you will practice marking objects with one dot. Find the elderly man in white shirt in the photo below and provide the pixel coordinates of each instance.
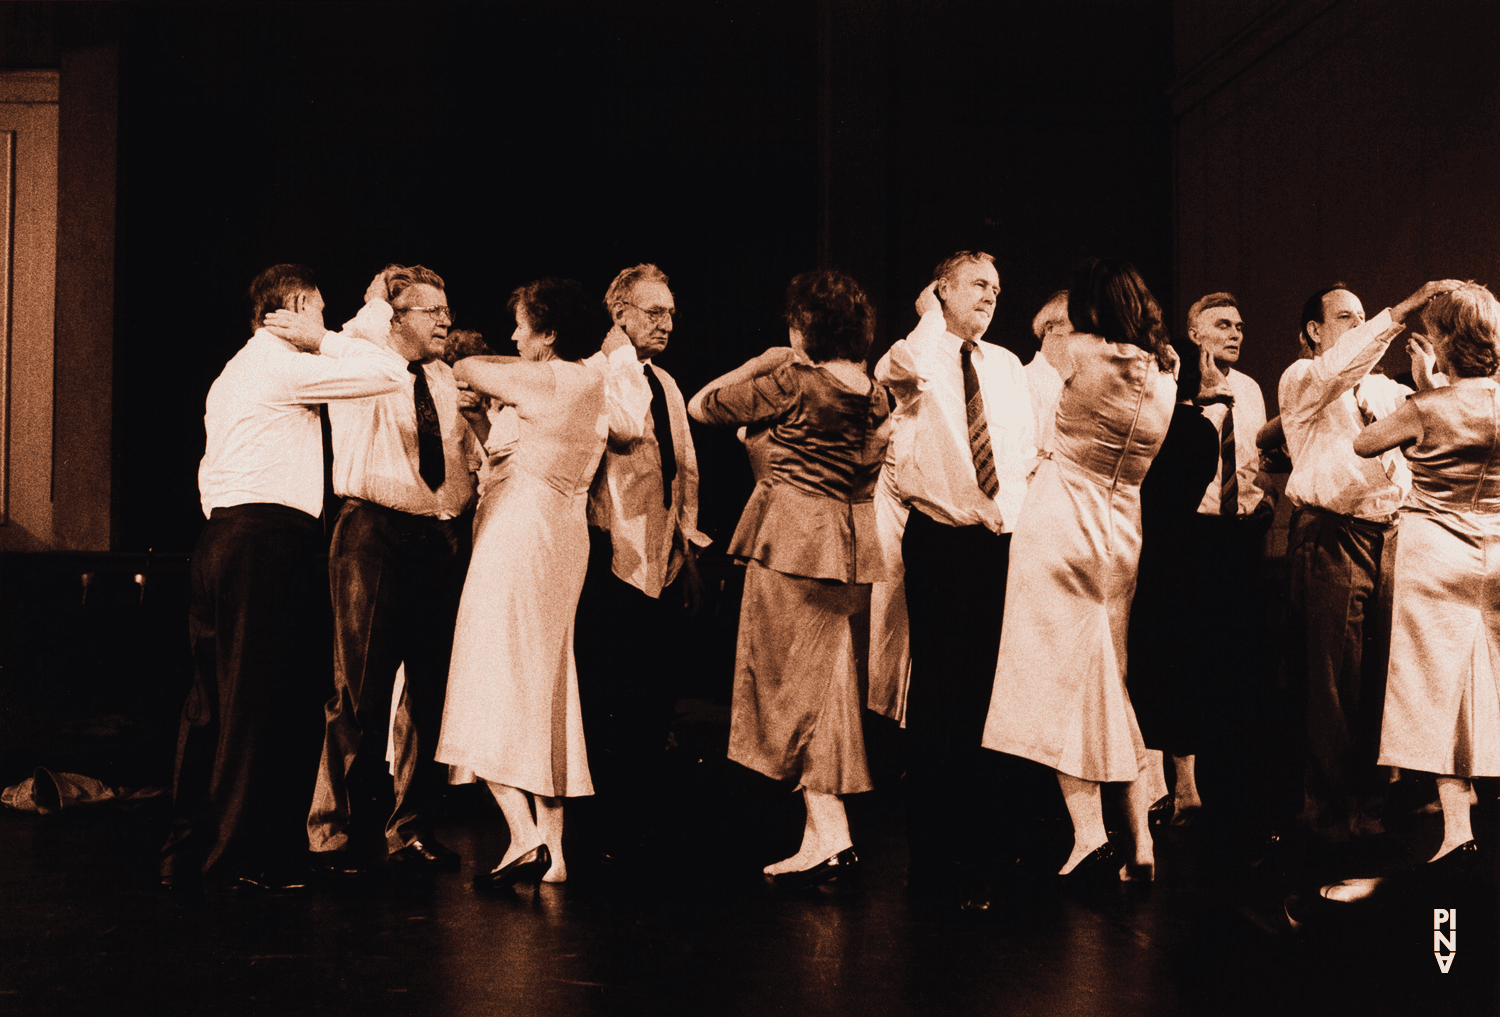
(643, 572)
(401, 462)
(964, 443)
(1337, 556)
(243, 770)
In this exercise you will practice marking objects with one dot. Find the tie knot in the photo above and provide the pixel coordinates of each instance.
(414, 366)
(967, 346)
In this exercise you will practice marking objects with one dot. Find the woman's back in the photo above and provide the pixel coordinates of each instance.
(1456, 465)
(562, 435)
(830, 440)
(1114, 410)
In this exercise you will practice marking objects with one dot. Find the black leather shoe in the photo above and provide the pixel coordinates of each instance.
(1460, 863)
(426, 854)
(840, 866)
(529, 868)
(336, 865)
(1099, 870)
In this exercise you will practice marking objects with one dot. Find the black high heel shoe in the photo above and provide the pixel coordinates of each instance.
(1099, 870)
(1160, 813)
(840, 866)
(530, 867)
(1460, 863)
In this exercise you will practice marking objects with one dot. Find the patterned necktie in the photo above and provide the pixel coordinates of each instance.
(661, 424)
(979, 428)
(1229, 486)
(429, 435)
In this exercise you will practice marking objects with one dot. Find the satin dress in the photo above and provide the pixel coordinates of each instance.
(1059, 695)
(512, 713)
(1442, 702)
(809, 536)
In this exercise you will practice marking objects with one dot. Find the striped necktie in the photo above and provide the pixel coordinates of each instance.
(1229, 486)
(979, 428)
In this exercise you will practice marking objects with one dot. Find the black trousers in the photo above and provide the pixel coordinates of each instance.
(247, 742)
(1341, 579)
(395, 581)
(628, 649)
(955, 600)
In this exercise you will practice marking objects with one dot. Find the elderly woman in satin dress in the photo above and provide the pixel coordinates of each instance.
(1442, 695)
(512, 714)
(1059, 695)
(808, 534)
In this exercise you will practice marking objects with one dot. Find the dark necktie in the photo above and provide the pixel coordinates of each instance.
(1229, 486)
(979, 428)
(429, 434)
(661, 423)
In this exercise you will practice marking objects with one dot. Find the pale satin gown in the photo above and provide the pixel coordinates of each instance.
(512, 713)
(1059, 695)
(1442, 704)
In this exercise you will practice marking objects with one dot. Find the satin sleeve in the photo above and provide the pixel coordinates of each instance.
(763, 400)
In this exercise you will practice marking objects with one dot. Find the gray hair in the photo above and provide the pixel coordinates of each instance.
(624, 285)
(1208, 303)
(947, 266)
(1043, 319)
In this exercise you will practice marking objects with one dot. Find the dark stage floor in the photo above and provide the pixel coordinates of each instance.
(693, 930)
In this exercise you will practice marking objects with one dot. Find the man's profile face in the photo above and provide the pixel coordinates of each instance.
(646, 317)
(1341, 312)
(968, 295)
(1220, 331)
(419, 335)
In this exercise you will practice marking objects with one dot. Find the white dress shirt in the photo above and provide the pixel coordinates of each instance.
(1249, 416)
(934, 462)
(626, 500)
(375, 440)
(265, 444)
(1045, 386)
(1320, 414)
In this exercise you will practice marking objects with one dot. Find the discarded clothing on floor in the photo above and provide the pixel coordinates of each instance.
(45, 792)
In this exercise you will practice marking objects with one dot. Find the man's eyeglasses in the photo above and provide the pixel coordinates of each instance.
(439, 311)
(658, 316)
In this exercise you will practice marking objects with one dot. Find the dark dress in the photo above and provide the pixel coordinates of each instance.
(1168, 627)
(808, 533)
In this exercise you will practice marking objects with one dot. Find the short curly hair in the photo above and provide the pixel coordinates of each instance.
(560, 306)
(1469, 318)
(833, 315)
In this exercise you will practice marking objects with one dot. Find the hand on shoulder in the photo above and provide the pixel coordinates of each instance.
(302, 331)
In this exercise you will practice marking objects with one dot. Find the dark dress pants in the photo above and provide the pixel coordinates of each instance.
(247, 743)
(628, 648)
(395, 582)
(1340, 627)
(955, 598)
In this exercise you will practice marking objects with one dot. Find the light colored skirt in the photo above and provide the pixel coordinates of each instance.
(890, 638)
(1059, 695)
(1442, 699)
(512, 714)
